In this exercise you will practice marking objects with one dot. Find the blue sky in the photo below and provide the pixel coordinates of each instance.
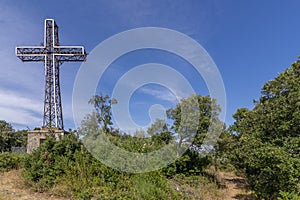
(250, 42)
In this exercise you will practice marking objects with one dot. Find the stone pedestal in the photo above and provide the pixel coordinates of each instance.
(37, 137)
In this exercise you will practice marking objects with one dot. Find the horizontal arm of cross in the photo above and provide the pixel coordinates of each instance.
(61, 53)
(70, 53)
(31, 54)
(73, 58)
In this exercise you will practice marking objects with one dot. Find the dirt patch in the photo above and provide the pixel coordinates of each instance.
(12, 187)
(235, 187)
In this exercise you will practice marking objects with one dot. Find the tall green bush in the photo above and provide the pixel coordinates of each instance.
(267, 144)
(67, 169)
(10, 161)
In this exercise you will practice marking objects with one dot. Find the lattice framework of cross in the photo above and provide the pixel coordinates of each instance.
(53, 55)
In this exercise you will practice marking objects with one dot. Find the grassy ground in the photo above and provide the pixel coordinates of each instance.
(12, 187)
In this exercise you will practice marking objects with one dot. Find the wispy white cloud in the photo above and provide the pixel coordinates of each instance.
(17, 109)
(15, 100)
(21, 84)
(165, 95)
(25, 110)
(20, 118)
(17, 29)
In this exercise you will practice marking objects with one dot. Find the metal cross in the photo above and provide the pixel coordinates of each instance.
(53, 55)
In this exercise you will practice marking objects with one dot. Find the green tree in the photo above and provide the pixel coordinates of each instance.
(10, 138)
(192, 119)
(159, 132)
(102, 105)
(267, 146)
(157, 127)
(5, 127)
(223, 150)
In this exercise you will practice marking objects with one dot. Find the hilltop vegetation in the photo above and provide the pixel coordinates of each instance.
(67, 168)
(263, 144)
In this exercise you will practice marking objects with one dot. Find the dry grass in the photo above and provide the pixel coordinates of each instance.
(232, 186)
(12, 187)
(193, 188)
(198, 188)
(220, 186)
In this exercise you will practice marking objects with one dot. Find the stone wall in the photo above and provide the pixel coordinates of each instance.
(36, 137)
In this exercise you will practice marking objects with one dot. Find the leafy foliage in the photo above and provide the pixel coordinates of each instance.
(288, 196)
(263, 142)
(10, 138)
(67, 169)
(192, 119)
(157, 127)
(102, 105)
(10, 161)
(266, 139)
(50, 160)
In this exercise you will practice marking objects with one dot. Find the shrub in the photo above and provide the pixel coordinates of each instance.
(67, 169)
(10, 161)
(50, 161)
(288, 196)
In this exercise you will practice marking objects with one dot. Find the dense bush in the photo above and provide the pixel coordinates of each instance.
(288, 196)
(67, 169)
(50, 161)
(10, 138)
(10, 161)
(266, 140)
(189, 164)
